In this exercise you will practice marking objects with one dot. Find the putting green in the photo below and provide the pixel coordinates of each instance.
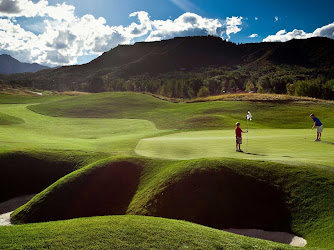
(283, 145)
(39, 132)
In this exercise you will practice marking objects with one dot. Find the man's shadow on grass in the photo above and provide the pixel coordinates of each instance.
(249, 153)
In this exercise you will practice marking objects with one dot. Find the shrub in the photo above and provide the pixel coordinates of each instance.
(203, 92)
(311, 88)
(249, 86)
(290, 89)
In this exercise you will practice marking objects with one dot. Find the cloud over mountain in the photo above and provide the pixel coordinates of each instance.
(283, 35)
(188, 24)
(65, 36)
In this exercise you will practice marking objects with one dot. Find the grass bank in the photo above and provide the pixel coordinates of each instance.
(125, 232)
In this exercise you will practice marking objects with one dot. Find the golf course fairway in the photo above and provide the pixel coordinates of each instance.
(39, 132)
(131, 171)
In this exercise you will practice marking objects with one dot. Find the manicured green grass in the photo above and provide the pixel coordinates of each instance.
(9, 120)
(281, 145)
(125, 232)
(219, 193)
(39, 132)
(21, 99)
(204, 115)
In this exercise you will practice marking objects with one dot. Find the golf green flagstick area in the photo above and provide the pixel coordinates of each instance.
(136, 156)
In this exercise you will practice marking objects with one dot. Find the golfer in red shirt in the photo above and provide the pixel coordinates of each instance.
(238, 137)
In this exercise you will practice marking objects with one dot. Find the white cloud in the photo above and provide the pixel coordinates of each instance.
(188, 24)
(276, 18)
(327, 31)
(283, 35)
(256, 18)
(14, 39)
(233, 25)
(27, 8)
(138, 30)
(60, 12)
(253, 35)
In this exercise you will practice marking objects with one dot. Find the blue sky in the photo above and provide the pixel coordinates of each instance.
(56, 32)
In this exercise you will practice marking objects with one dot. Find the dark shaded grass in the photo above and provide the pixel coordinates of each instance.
(30, 172)
(224, 199)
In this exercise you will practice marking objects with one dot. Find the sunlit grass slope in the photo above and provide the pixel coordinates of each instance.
(125, 232)
(219, 193)
(204, 115)
(39, 132)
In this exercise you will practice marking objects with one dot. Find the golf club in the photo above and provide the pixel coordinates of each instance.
(308, 133)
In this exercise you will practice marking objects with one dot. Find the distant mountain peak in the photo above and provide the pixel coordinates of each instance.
(10, 65)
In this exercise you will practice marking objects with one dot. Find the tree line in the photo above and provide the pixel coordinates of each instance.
(208, 82)
(202, 82)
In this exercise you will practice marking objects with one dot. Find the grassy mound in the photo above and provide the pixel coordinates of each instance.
(219, 193)
(222, 198)
(203, 115)
(9, 120)
(105, 188)
(31, 172)
(111, 105)
(125, 232)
